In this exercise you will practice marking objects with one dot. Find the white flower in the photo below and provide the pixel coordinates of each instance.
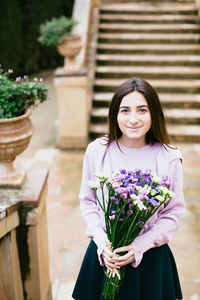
(100, 175)
(139, 188)
(146, 188)
(171, 194)
(159, 198)
(134, 197)
(164, 190)
(140, 204)
(153, 192)
(155, 178)
(93, 184)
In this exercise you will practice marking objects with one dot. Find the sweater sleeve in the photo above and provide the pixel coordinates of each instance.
(167, 221)
(88, 203)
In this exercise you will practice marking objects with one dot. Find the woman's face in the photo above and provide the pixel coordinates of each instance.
(134, 118)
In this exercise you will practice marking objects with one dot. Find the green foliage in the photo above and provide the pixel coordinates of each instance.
(53, 32)
(17, 96)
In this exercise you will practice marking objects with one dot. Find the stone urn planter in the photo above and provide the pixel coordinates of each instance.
(15, 135)
(70, 49)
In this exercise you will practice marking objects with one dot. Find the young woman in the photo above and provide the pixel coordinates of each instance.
(137, 138)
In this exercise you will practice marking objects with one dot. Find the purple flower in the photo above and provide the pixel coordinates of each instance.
(131, 205)
(126, 183)
(147, 172)
(166, 181)
(123, 171)
(140, 223)
(115, 200)
(153, 201)
(143, 197)
(130, 212)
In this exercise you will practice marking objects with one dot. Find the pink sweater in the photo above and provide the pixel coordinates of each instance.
(107, 159)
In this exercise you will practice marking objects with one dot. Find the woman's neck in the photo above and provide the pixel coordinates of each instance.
(130, 143)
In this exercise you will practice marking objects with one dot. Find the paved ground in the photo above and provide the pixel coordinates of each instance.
(67, 242)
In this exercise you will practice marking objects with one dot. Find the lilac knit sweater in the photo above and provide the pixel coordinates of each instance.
(162, 225)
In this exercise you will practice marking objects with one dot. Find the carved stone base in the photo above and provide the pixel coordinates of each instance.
(10, 177)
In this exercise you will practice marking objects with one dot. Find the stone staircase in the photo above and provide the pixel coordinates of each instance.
(160, 42)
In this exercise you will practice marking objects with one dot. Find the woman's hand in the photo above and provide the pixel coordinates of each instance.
(108, 255)
(122, 260)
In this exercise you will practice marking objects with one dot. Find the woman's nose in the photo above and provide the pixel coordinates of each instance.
(133, 117)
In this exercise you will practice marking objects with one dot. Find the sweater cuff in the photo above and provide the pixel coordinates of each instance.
(100, 238)
(137, 253)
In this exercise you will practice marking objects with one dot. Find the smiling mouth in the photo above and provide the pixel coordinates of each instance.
(134, 128)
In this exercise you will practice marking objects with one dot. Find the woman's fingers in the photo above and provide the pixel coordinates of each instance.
(114, 260)
(123, 249)
(108, 258)
(122, 260)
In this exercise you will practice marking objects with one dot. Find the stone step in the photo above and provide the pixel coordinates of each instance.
(148, 8)
(178, 133)
(167, 100)
(161, 18)
(162, 86)
(148, 38)
(152, 28)
(121, 59)
(147, 48)
(185, 116)
(151, 72)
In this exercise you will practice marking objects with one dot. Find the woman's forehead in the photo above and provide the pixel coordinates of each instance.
(133, 99)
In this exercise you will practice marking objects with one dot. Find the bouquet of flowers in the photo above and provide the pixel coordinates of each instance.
(129, 199)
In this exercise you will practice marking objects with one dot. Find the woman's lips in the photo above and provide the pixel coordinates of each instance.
(134, 128)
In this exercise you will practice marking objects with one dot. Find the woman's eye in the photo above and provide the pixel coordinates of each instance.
(124, 110)
(142, 110)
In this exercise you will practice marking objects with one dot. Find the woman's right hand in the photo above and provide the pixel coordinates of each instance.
(108, 255)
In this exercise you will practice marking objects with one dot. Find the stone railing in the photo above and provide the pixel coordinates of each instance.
(73, 90)
(24, 263)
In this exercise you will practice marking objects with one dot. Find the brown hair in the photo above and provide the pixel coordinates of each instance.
(157, 132)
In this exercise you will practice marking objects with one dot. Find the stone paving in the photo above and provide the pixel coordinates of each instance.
(67, 241)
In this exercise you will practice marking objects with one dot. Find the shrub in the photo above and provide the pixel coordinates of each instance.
(53, 32)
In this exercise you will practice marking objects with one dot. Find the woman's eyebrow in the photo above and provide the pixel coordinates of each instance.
(144, 105)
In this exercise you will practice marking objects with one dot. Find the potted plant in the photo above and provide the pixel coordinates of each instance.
(17, 99)
(57, 32)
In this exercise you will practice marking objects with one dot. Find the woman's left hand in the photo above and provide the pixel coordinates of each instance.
(122, 260)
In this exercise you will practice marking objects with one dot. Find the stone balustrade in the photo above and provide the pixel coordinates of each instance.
(24, 260)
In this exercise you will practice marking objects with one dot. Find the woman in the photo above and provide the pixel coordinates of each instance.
(137, 138)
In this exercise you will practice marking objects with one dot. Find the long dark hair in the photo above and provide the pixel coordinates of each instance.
(157, 132)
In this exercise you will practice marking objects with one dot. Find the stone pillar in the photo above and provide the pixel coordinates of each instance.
(24, 257)
(72, 110)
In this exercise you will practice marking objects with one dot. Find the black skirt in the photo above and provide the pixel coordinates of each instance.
(156, 277)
